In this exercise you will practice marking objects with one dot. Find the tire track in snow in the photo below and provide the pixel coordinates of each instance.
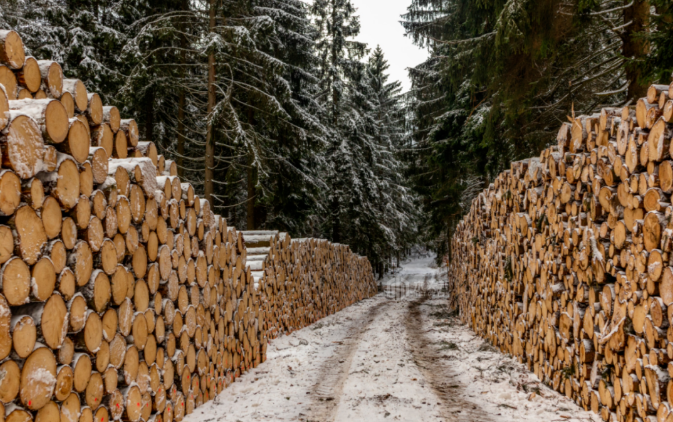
(437, 373)
(334, 372)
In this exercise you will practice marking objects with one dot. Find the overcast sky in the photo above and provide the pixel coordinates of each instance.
(380, 26)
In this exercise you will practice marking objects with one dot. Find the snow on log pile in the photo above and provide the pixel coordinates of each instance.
(122, 295)
(566, 261)
(301, 281)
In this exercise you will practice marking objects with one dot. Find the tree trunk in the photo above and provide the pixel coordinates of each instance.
(181, 104)
(252, 181)
(635, 48)
(181, 133)
(149, 116)
(336, 227)
(210, 139)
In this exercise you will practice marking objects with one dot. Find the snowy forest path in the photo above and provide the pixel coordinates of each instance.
(335, 371)
(436, 370)
(399, 356)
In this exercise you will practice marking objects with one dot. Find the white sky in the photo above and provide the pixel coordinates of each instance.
(379, 21)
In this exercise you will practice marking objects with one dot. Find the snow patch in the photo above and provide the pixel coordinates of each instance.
(42, 376)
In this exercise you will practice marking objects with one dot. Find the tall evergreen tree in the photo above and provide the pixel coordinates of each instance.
(397, 210)
(389, 113)
(288, 188)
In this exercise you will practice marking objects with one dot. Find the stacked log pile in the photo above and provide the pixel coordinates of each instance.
(566, 261)
(122, 295)
(303, 280)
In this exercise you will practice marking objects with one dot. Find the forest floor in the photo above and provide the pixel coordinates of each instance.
(400, 356)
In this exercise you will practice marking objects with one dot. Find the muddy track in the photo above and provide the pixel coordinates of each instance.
(334, 372)
(437, 373)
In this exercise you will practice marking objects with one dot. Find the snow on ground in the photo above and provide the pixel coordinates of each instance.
(399, 356)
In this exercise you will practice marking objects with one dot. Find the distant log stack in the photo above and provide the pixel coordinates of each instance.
(122, 295)
(566, 261)
(303, 280)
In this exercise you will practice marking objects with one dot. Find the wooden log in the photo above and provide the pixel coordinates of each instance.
(9, 82)
(11, 49)
(120, 145)
(22, 146)
(94, 110)
(659, 141)
(30, 234)
(52, 77)
(78, 141)
(10, 192)
(98, 158)
(130, 129)
(4, 106)
(77, 89)
(64, 183)
(50, 115)
(29, 75)
(69, 104)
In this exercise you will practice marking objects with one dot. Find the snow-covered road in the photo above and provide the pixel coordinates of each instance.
(399, 356)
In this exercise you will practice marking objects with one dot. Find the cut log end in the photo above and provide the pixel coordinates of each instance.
(11, 49)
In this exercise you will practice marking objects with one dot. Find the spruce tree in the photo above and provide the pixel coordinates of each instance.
(287, 189)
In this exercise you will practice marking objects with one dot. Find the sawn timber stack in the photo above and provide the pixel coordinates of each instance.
(122, 295)
(566, 261)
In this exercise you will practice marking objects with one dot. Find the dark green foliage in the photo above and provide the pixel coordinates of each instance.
(501, 78)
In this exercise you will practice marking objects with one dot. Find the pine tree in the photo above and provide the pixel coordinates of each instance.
(389, 113)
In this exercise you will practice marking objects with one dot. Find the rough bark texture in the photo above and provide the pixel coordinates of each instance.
(635, 47)
(210, 136)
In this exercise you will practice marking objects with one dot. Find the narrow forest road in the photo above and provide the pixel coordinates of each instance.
(399, 356)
